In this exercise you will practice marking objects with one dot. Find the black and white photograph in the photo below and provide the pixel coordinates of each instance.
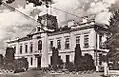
(59, 38)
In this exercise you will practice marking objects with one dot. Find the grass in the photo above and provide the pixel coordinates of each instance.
(41, 74)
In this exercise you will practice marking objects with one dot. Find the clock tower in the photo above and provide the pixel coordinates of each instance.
(48, 21)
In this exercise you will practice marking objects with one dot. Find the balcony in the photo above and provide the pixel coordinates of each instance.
(37, 53)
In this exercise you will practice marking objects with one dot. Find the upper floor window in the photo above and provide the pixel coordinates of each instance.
(31, 47)
(21, 49)
(77, 39)
(59, 44)
(51, 45)
(86, 41)
(39, 45)
(67, 45)
(14, 49)
(26, 48)
(100, 41)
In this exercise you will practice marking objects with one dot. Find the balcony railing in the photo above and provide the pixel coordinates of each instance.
(37, 53)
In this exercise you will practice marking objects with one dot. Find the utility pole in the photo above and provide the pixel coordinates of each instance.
(96, 55)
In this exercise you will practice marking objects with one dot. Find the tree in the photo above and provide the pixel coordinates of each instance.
(1, 59)
(55, 58)
(21, 64)
(7, 1)
(89, 62)
(77, 57)
(112, 41)
(41, 2)
(78, 54)
(9, 56)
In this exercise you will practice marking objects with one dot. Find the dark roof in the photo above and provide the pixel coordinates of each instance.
(60, 31)
(20, 39)
(70, 30)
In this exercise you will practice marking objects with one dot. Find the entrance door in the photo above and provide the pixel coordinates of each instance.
(39, 61)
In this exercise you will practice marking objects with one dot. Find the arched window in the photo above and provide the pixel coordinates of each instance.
(39, 45)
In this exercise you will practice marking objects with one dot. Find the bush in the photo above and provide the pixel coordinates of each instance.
(86, 63)
(70, 66)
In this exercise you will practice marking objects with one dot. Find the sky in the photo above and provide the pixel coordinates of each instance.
(14, 24)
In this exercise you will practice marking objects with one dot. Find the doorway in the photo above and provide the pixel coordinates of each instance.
(39, 62)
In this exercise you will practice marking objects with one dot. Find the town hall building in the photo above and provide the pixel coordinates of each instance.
(37, 46)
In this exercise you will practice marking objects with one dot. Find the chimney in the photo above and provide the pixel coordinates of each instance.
(71, 23)
(85, 19)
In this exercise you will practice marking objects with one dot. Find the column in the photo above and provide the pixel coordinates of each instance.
(44, 58)
(17, 50)
(105, 69)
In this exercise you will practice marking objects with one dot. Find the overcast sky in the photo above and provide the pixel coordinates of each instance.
(14, 24)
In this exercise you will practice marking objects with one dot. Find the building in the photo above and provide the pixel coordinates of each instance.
(36, 47)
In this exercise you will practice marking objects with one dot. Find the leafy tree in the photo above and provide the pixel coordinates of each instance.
(7, 1)
(112, 41)
(86, 63)
(89, 62)
(39, 3)
(21, 64)
(70, 66)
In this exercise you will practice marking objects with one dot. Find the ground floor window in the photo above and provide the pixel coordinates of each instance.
(67, 58)
(31, 61)
(51, 60)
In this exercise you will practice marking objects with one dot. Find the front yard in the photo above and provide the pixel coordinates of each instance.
(33, 73)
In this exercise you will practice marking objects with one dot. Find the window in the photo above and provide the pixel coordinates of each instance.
(100, 41)
(14, 49)
(20, 49)
(67, 43)
(67, 58)
(26, 48)
(100, 58)
(86, 41)
(51, 60)
(39, 45)
(38, 28)
(51, 45)
(31, 47)
(31, 61)
(59, 44)
(78, 40)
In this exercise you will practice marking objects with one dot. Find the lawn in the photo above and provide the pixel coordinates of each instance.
(41, 74)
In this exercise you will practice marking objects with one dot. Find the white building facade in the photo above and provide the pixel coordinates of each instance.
(36, 47)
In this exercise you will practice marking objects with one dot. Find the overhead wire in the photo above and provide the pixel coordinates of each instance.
(63, 10)
(14, 9)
